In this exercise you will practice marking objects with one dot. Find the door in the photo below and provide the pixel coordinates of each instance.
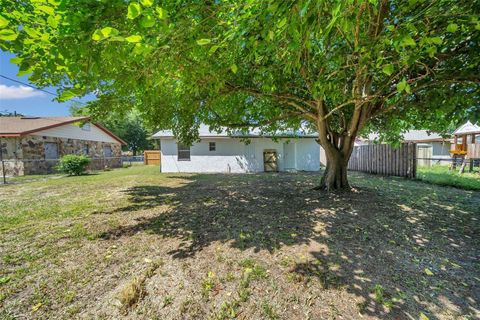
(270, 161)
(289, 151)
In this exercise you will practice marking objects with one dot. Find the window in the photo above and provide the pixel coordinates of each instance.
(183, 152)
(212, 146)
(51, 151)
(86, 149)
(86, 127)
(107, 151)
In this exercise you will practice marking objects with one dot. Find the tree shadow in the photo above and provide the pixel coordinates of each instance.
(401, 247)
(243, 212)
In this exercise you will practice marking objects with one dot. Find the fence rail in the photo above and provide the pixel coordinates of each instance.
(385, 160)
(10, 168)
(140, 158)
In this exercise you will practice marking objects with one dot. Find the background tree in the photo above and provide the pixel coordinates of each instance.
(339, 67)
(6, 113)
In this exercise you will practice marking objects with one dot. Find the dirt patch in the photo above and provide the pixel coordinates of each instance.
(246, 247)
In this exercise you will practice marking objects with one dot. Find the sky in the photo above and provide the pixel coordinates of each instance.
(23, 99)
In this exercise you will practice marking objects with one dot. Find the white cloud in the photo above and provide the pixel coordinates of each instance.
(18, 92)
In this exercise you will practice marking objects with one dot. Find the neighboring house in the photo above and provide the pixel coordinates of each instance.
(33, 145)
(220, 152)
(440, 147)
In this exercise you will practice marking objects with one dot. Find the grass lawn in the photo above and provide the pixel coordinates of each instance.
(441, 175)
(136, 244)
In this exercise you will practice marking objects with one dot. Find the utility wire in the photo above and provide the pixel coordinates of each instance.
(36, 88)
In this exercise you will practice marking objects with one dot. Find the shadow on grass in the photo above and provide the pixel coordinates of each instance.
(377, 243)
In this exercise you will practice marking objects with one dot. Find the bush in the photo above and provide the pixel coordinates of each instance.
(73, 164)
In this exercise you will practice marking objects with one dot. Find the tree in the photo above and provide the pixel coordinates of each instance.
(128, 126)
(338, 67)
(7, 113)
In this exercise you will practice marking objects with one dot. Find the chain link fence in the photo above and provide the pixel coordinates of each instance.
(459, 164)
(12, 170)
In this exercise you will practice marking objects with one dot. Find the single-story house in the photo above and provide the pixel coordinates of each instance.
(236, 153)
(432, 144)
(33, 145)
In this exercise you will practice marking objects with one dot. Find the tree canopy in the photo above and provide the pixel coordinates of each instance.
(339, 67)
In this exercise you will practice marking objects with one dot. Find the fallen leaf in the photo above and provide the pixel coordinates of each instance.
(36, 307)
(423, 316)
(428, 272)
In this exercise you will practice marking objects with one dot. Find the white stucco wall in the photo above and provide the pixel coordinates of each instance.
(72, 131)
(233, 155)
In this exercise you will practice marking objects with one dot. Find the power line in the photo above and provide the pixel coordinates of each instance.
(36, 88)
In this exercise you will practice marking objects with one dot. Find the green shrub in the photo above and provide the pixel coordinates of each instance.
(73, 164)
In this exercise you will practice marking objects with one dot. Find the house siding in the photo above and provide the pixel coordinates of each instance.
(441, 150)
(234, 155)
(72, 131)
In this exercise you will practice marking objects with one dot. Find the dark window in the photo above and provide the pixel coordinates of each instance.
(51, 151)
(107, 151)
(183, 152)
(212, 146)
(86, 149)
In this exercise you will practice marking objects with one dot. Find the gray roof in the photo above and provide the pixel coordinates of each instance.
(205, 132)
(414, 136)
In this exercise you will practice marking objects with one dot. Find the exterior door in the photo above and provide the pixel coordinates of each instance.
(289, 151)
(270, 163)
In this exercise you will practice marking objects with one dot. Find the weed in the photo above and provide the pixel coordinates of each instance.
(243, 293)
(269, 312)
(167, 301)
(132, 292)
(254, 270)
(69, 296)
(208, 283)
(381, 297)
(228, 277)
(228, 310)
(191, 309)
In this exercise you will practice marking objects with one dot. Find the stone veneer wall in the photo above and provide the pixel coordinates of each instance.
(12, 155)
(30, 156)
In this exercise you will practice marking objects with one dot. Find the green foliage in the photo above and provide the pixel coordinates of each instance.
(208, 283)
(340, 68)
(441, 175)
(269, 311)
(73, 164)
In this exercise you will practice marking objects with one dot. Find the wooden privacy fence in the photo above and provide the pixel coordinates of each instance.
(385, 160)
(151, 157)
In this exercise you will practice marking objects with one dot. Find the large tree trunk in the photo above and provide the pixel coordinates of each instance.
(335, 175)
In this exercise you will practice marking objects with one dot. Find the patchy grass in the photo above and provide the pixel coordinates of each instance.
(134, 243)
(441, 175)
